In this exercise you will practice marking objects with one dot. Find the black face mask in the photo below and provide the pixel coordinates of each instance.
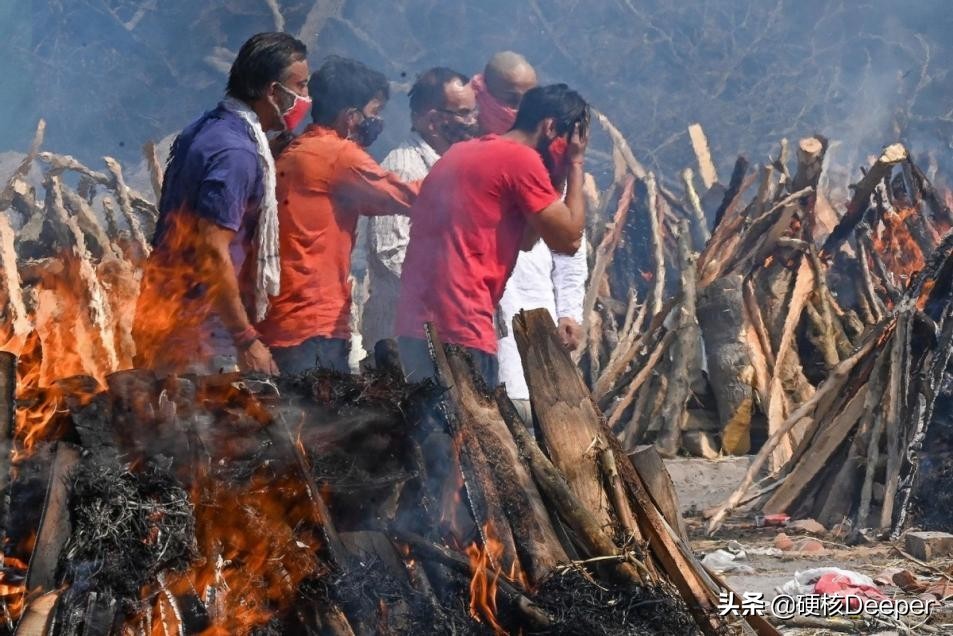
(454, 131)
(368, 130)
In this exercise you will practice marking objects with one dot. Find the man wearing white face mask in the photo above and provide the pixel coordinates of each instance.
(215, 262)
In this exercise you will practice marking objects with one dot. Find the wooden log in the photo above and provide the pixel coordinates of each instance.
(860, 201)
(700, 231)
(676, 558)
(934, 199)
(658, 283)
(8, 406)
(155, 170)
(897, 396)
(537, 617)
(610, 473)
(591, 533)
(720, 314)
(685, 352)
(568, 419)
(38, 615)
(124, 199)
(706, 167)
(99, 311)
(87, 221)
(23, 168)
(619, 142)
(17, 318)
(810, 162)
(832, 385)
(534, 537)
(621, 357)
(813, 460)
(658, 482)
(734, 188)
(55, 527)
(644, 373)
(607, 246)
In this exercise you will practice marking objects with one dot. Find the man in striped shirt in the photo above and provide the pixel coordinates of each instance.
(443, 112)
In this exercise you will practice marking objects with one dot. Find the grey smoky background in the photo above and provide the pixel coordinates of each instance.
(109, 74)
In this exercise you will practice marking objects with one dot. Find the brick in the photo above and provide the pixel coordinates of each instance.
(783, 542)
(928, 545)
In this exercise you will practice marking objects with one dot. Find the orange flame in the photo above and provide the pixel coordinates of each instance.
(258, 544)
(897, 248)
(486, 565)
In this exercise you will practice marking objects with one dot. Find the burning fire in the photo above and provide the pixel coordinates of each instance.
(259, 542)
(896, 246)
(485, 564)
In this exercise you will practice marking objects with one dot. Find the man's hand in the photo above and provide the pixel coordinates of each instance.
(257, 358)
(570, 333)
(578, 141)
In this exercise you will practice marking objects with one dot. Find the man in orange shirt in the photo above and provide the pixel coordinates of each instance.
(326, 180)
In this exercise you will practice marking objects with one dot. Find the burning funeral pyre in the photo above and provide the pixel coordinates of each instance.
(750, 317)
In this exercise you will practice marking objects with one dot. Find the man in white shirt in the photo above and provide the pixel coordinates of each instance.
(540, 279)
(443, 111)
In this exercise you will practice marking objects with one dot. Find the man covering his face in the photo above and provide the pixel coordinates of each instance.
(471, 218)
(326, 180)
(443, 112)
(540, 279)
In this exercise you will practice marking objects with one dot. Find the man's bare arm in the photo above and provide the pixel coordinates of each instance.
(218, 272)
(561, 224)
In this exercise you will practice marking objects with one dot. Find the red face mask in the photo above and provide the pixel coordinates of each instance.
(494, 116)
(298, 110)
(555, 160)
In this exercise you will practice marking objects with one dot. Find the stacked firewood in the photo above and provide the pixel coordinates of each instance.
(813, 337)
(310, 505)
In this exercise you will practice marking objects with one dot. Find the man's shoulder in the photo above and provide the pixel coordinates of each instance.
(219, 133)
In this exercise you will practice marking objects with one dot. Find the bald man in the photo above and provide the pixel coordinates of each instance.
(500, 89)
(540, 279)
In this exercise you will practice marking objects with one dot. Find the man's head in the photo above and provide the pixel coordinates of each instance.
(443, 108)
(270, 74)
(500, 88)
(508, 77)
(547, 117)
(350, 97)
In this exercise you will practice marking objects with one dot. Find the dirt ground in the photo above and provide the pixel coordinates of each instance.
(702, 484)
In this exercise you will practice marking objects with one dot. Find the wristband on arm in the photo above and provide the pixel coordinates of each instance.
(244, 338)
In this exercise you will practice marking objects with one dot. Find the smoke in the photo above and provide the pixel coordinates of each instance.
(108, 74)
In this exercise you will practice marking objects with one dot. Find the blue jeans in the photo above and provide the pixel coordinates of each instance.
(317, 352)
(415, 359)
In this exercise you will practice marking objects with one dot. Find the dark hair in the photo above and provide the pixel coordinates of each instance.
(558, 101)
(264, 58)
(343, 83)
(428, 91)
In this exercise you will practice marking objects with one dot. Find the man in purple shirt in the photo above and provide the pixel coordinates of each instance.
(214, 257)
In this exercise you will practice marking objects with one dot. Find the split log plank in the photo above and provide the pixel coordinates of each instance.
(535, 538)
(816, 457)
(55, 528)
(567, 417)
(706, 167)
(860, 201)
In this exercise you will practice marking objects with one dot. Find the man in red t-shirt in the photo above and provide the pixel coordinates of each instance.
(481, 201)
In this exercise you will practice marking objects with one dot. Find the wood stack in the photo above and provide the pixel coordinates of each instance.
(823, 333)
(304, 504)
